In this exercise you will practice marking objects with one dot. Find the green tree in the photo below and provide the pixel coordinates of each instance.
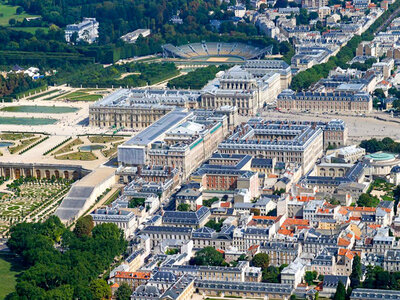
(214, 225)
(209, 202)
(356, 272)
(310, 276)
(84, 226)
(19, 10)
(379, 93)
(366, 200)
(183, 207)
(340, 293)
(123, 292)
(100, 289)
(260, 260)
(208, 256)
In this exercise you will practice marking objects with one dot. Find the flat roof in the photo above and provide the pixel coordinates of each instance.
(159, 127)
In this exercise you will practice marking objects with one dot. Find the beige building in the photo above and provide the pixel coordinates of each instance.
(314, 3)
(187, 146)
(367, 49)
(17, 170)
(138, 108)
(286, 142)
(248, 87)
(325, 102)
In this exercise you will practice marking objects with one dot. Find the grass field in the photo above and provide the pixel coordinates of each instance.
(31, 29)
(8, 12)
(43, 94)
(77, 156)
(10, 268)
(81, 96)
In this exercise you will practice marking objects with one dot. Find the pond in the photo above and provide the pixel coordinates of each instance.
(5, 144)
(27, 121)
(91, 147)
(38, 109)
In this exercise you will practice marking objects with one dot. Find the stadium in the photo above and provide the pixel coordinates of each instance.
(214, 52)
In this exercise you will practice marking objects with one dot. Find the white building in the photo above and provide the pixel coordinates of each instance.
(131, 37)
(87, 30)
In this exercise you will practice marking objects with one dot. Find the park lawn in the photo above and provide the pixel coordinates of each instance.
(23, 144)
(74, 95)
(15, 136)
(103, 139)
(43, 94)
(68, 147)
(112, 150)
(77, 156)
(87, 98)
(55, 96)
(10, 268)
(8, 12)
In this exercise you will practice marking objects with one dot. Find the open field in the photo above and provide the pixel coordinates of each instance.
(8, 12)
(10, 268)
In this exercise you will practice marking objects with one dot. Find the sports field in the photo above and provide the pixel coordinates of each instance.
(217, 59)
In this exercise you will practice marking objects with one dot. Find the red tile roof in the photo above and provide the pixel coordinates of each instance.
(132, 275)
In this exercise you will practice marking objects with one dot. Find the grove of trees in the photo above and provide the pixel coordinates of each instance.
(61, 264)
(196, 79)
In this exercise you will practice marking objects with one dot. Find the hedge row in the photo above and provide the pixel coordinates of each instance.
(58, 145)
(33, 145)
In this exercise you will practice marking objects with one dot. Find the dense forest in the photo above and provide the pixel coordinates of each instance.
(16, 83)
(64, 264)
(196, 79)
(119, 17)
(131, 75)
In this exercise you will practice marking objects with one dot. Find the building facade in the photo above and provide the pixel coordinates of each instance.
(325, 102)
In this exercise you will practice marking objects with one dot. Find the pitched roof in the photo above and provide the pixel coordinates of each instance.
(132, 275)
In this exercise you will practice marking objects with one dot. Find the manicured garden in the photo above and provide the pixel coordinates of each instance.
(81, 96)
(69, 147)
(30, 199)
(19, 142)
(80, 155)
